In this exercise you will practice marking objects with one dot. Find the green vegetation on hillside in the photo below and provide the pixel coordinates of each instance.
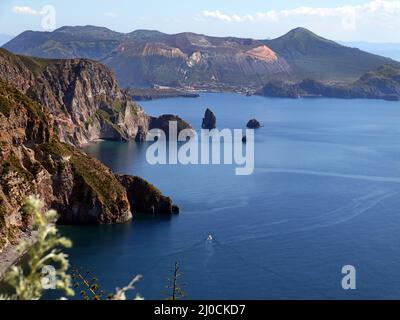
(36, 65)
(11, 98)
(95, 174)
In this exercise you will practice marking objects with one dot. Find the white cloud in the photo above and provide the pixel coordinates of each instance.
(222, 17)
(375, 11)
(27, 11)
(112, 15)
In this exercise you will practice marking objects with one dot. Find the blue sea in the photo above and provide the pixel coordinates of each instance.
(325, 193)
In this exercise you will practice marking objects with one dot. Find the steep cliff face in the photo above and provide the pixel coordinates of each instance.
(21, 120)
(14, 71)
(34, 162)
(143, 198)
(87, 92)
(83, 96)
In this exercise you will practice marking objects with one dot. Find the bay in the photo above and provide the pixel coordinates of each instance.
(324, 194)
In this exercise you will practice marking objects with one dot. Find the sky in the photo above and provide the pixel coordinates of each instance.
(341, 20)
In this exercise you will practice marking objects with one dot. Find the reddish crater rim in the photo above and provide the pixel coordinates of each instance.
(263, 53)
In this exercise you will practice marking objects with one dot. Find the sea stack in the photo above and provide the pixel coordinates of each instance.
(253, 124)
(209, 120)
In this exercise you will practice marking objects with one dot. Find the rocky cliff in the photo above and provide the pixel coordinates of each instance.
(34, 161)
(83, 96)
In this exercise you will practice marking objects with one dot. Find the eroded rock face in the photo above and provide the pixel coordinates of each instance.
(85, 191)
(83, 96)
(96, 106)
(46, 109)
(253, 124)
(209, 120)
(34, 162)
(146, 198)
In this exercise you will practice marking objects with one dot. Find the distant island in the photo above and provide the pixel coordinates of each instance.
(146, 59)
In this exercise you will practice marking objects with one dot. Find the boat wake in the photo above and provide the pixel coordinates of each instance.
(331, 174)
(343, 214)
(348, 212)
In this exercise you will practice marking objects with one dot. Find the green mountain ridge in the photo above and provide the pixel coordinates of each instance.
(315, 57)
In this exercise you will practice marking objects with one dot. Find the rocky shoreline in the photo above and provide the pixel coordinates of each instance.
(188, 92)
(155, 93)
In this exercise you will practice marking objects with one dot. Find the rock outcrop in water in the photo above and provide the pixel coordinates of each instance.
(146, 198)
(163, 122)
(253, 124)
(209, 120)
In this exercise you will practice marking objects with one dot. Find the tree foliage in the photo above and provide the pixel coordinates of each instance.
(45, 250)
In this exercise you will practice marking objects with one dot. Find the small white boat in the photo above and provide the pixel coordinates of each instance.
(210, 238)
